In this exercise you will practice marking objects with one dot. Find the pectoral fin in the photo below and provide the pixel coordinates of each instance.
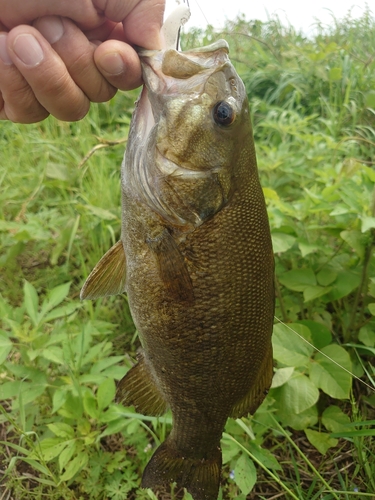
(108, 276)
(172, 267)
(253, 399)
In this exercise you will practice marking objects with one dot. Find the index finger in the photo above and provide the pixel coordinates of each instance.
(143, 18)
(16, 12)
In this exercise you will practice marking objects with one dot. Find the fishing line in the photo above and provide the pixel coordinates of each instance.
(178, 2)
(200, 8)
(325, 355)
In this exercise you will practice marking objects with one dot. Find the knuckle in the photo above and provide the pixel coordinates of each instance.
(20, 105)
(105, 91)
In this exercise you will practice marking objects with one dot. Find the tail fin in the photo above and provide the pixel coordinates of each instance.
(201, 477)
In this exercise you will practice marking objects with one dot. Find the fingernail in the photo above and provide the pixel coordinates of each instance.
(113, 64)
(28, 49)
(51, 27)
(4, 56)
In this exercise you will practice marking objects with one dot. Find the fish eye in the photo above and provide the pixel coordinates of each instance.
(223, 113)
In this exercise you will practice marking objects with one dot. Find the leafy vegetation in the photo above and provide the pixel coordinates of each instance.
(62, 436)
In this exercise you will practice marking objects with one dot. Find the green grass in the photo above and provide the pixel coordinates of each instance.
(62, 437)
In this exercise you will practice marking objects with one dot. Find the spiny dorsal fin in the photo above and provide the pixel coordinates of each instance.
(258, 391)
(139, 389)
(108, 276)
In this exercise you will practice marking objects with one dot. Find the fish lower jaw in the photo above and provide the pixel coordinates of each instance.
(171, 169)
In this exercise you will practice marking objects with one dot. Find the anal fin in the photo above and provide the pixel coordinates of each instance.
(139, 389)
(108, 276)
(258, 391)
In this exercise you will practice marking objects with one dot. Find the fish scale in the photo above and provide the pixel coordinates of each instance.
(198, 259)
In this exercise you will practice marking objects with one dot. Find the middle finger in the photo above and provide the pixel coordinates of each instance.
(77, 52)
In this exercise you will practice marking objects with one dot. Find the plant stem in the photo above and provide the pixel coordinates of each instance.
(305, 458)
(274, 477)
(351, 326)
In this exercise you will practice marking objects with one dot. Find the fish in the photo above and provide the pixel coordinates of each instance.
(195, 260)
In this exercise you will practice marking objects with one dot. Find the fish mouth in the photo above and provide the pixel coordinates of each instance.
(170, 72)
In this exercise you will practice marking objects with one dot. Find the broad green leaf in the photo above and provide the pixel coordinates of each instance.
(55, 354)
(114, 412)
(270, 194)
(9, 390)
(5, 346)
(326, 276)
(313, 292)
(55, 297)
(60, 312)
(31, 302)
(264, 456)
(367, 223)
(58, 399)
(102, 364)
(114, 427)
(367, 336)
(72, 408)
(30, 391)
(92, 379)
(95, 351)
(51, 448)
(356, 240)
(106, 393)
(334, 419)
(67, 454)
(330, 377)
(344, 284)
(339, 210)
(60, 429)
(281, 376)
(298, 279)
(90, 406)
(297, 394)
(229, 449)
(320, 440)
(307, 248)
(320, 334)
(281, 242)
(370, 172)
(289, 348)
(371, 308)
(299, 421)
(76, 465)
(245, 474)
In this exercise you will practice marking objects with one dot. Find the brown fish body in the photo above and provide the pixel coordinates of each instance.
(199, 262)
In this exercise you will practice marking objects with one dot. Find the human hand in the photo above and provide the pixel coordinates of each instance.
(57, 56)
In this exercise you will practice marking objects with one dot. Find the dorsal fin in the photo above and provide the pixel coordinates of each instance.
(108, 276)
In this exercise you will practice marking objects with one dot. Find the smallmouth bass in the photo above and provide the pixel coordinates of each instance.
(195, 259)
